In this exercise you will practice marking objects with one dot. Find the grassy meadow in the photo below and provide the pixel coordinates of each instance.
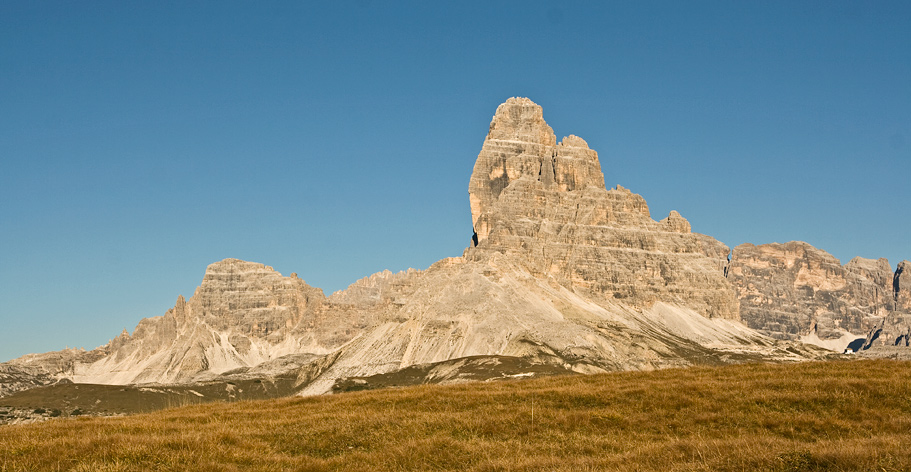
(813, 416)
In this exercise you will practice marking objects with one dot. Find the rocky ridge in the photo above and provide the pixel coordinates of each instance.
(561, 271)
(798, 292)
(243, 314)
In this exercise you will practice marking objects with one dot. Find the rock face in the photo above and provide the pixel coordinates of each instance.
(14, 379)
(560, 272)
(545, 204)
(901, 285)
(462, 307)
(795, 291)
(521, 145)
(894, 331)
(57, 362)
(243, 314)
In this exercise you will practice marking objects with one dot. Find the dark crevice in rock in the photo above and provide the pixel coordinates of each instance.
(553, 164)
(896, 285)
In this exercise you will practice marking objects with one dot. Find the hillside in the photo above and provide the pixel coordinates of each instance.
(810, 416)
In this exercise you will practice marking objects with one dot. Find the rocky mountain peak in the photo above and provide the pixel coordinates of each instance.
(520, 146)
(179, 312)
(545, 205)
(676, 223)
(574, 141)
(520, 119)
(249, 297)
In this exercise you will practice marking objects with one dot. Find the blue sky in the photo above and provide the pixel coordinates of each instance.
(140, 142)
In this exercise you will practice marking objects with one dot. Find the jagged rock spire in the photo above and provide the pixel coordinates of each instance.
(544, 205)
(521, 146)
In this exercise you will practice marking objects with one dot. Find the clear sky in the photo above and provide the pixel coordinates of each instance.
(142, 141)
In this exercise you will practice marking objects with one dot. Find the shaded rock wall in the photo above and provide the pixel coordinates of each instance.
(792, 290)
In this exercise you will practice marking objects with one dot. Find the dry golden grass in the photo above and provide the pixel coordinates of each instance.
(819, 416)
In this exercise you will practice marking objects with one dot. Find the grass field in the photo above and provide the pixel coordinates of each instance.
(814, 416)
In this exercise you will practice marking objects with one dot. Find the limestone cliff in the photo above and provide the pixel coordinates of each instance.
(243, 314)
(796, 291)
(892, 337)
(545, 204)
(901, 285)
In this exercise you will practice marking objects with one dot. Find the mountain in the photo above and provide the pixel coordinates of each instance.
(561, 275)
(798, 292)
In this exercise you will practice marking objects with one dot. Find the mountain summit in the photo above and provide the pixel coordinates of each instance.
(545, 204)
